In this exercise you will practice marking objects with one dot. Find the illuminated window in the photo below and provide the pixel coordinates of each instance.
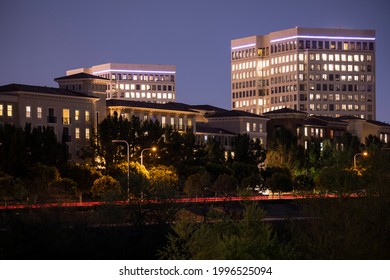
(248, 127)
(87, 116)
(77, 115)
(77, 133)
(28, 111)
(87, 134)
(65, 116)
(39, 112)
(1, 110)
(9, 110)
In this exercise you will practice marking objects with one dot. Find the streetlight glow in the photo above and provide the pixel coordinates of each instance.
(365, 153)
(146, 149)
(128, 165)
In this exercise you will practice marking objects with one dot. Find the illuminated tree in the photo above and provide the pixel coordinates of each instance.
(107, 188)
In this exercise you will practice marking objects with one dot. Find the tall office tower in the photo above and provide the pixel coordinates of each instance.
(140, 82)
(321, 71)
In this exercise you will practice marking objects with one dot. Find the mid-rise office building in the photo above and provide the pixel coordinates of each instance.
(137, 82)
(324, 72)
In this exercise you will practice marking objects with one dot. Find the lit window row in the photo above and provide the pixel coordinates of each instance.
(139, 77)
(143, 87)
(6, 110)
(340, 107)
(77, 133)
(336, 67)
(139, 95)
(339, 57)
(244, 65)
(335, 45)
(339, 87)
(254, 127)
(248, 53)
(342, 97)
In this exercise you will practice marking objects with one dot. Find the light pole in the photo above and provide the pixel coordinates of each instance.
(354, 157)
(146, 149)
(128, 165)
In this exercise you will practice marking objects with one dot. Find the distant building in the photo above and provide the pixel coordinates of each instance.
(137, 82)
(179, 117)
(320, 71)
(240, 122)
(70, 114)
(363, 129)
(303, 127)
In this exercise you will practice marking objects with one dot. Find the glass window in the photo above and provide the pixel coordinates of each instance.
(77, 133)
(163, 121)
(39, 112)
(77, 115)
(28, 111)
(87, 134)
(65, 116)
(1, 110)
(9, 110)
(87, 118)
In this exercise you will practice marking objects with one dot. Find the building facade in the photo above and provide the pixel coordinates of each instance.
(70, 114)
(325, 72)
(138, 82)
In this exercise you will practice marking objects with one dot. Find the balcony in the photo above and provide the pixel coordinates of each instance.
(51, 119)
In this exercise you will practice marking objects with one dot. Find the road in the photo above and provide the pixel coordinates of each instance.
(175, 200)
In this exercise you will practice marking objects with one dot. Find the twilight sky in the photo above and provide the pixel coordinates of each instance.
(41, 39)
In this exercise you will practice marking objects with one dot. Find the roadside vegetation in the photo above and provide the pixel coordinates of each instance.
(34, 169)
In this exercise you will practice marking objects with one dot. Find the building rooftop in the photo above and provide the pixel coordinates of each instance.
(202, 128)
(322, 120)
(140, 104)
(234, 113)
(80, 76)
(42, 90)
(285, 110)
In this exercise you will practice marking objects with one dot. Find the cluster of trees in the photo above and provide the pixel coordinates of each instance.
(34, 166)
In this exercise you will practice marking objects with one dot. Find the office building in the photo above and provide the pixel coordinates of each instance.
(324, 72)
(137, 82)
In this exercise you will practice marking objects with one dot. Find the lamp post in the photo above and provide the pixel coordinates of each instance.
(354, 157)
(128, 165)
(146, 149)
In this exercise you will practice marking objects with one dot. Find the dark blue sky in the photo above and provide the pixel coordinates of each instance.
(40, 40)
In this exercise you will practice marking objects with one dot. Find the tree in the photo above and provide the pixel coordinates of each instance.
(61, 187)
(40, 176)
(225, 185)
(280, 182)
(283, 150)
(248, 150)
(163, 181)
(340, 181)
(107, 188)
(5, 187)
(198, 184)
(251, 238)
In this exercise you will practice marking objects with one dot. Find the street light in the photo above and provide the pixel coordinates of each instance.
(354, 157)
(128, 165)
(146, 149)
